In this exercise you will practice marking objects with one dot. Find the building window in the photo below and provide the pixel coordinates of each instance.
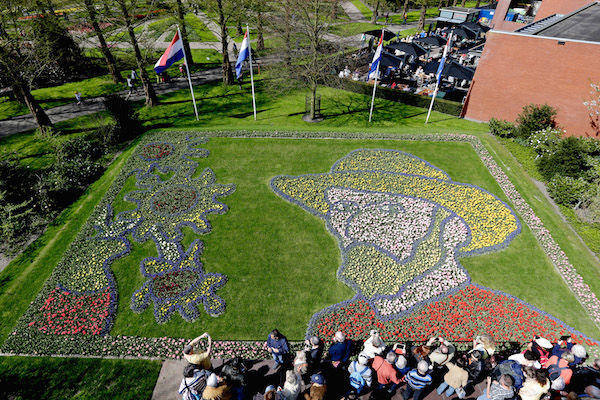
(522, 11)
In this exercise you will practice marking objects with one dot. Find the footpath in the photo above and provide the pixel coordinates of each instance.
(26, 122)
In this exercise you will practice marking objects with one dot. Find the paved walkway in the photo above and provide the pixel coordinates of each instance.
(261, 375)
(353, 12)
(69, 111)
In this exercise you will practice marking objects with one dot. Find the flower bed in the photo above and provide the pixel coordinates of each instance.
(85, 268)
(402, 224)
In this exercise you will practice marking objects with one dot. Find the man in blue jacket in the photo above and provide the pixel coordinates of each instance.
(340, 350)
(277, 345)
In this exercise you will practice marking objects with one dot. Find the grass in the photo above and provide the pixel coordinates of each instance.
(292, 241)
(353, 28)
(365, 11)
(60, 95)
(415, 15)
(590, 233)
(76, 378)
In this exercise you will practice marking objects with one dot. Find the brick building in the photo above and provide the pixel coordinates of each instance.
(539, 52)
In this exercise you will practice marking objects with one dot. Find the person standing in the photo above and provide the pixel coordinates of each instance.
(78, 97)
(277, 345)
(197, 356)
(129, 87)
(416, 381)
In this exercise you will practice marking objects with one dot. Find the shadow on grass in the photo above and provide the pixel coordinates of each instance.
(247, 114)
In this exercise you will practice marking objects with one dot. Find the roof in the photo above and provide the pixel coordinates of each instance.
(581, 24)
(460, 9)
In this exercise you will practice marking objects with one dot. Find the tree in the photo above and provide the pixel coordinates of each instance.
(184, 36)
(92, 14)
(312, 57)
(375, 12)
(18, 63)
(151, 99)
(225, 10)
(423, 14)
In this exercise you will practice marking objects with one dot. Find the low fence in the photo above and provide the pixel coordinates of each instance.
(440, 105)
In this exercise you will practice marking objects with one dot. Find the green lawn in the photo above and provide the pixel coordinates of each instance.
(353, 28)
(366, 11)
(76, 378)
(300, 245)
(413, 16)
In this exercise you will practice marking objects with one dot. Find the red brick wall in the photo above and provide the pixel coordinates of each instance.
(518, 70)
(550, 7)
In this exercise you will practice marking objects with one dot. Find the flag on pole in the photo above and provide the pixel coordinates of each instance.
(244, 54)
(442, 62)
(377, 57)
(172, 54)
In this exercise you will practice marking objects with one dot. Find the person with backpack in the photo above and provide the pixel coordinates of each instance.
(360, 375)
(559, 371)
(416, 381)
(512, 368)
(193, 383)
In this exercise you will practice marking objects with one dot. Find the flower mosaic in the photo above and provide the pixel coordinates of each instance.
(399, 231)
(394, 215)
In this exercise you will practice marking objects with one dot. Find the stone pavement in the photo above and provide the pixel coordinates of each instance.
(353, 12)
(92, 105)
(261, 375)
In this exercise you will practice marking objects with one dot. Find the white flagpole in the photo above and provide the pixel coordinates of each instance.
(251, 73)
(376, 75)
(437, 84)
(187, 68)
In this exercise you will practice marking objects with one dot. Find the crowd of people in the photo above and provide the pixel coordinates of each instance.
(347, 370)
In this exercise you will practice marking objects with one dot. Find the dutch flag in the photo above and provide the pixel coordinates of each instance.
(172, 54)
(244, 54)
(376, 57)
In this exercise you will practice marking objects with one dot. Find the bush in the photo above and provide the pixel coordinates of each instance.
(502, 128)
(568, 191)
(569, 159)
(80, 147)
(17, 221)
(544, 142)
(16, 181)
(127, 126)
(535, 118)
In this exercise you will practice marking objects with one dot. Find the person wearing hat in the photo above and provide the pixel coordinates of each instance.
(387, 378)
(454, 381)
(318, 388)
(195, 355)
(271, 393)
(541, 348)
(216, 389)
(360, 375)
(374, 345)
(340, 350)
(473, 364)
(277, 345)
(416, 381)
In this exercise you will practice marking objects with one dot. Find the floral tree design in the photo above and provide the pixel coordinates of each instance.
(402, 225)
(179, 286)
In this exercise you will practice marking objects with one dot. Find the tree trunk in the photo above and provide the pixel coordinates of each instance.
(260, 41)
(108, 57)
(151, 99)
(226, 66)
(478, 4)
(184, 35)
(463, 2)
(405, 9)
(334, 9)
(313, 101)
(375, 12)
(41, 118)
(422, 17)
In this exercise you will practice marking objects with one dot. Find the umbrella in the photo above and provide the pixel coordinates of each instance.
(451, 68)
(388, 60)
(433, 40)
(465, 33)
(377, 33)
(412, 49)
(474, 27)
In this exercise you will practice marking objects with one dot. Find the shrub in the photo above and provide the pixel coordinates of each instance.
(569, 159)
(544, 142)
(535, 118)
(79, 147)
(127, 126)
(16, 181)
(17, 221)
(502, 128)
(568, 191)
